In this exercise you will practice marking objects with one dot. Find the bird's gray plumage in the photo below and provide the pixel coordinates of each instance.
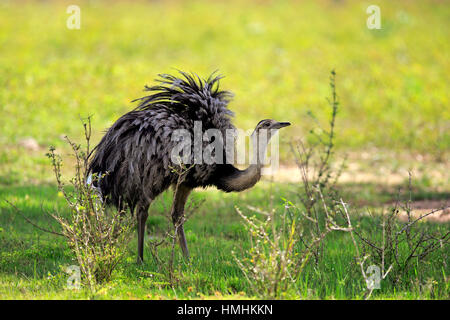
(135, 151)
(134, 156)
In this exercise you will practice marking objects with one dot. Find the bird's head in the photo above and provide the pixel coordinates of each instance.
(264, 131)
(270, 126)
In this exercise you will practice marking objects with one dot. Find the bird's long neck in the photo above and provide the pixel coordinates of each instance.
(238, 180)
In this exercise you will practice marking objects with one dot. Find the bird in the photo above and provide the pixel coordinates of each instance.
(134, 157)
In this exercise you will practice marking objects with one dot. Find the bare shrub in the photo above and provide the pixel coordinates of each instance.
(281, 245)
(318, 174)
(371, 282)
(397, 244)
(271, 264)
(98, 237)
(279, 252)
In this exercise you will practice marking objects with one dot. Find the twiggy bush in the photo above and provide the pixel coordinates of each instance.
(319, 178)
(282, 245)
(397, 244)
(279, 251)
(271, 264)
(98, 237)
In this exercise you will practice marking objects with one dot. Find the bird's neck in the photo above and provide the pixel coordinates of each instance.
(259, 151)
(239, 180)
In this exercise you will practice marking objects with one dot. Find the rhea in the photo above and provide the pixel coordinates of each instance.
(134, 156)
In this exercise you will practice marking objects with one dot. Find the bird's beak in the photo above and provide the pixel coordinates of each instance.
(282, 125)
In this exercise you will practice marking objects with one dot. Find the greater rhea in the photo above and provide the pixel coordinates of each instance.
(134, 156)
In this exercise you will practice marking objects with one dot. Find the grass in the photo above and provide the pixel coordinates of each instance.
(276, 55)
(32, 263)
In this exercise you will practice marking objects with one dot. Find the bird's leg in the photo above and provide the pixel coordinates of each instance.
(142, 214)
(180, 197)
(182, 240)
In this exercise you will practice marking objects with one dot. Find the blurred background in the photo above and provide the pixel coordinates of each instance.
(276, 57)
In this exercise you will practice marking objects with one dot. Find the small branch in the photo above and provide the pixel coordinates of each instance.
(421, 217)
(19, 212)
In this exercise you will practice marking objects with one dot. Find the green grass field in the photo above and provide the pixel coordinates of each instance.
(276, 56)
(32, 263)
